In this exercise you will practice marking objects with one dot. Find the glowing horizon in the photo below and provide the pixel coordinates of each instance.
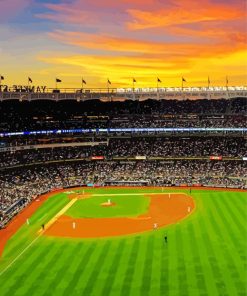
(119, 40)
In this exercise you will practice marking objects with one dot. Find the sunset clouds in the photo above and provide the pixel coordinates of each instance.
(142, 38)
(11, 8)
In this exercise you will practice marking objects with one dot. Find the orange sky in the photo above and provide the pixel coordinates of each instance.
(122, 39)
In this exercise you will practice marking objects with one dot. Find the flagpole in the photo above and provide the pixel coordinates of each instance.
(82, 86)
(56, 83)
(182, 83)
(158, 88)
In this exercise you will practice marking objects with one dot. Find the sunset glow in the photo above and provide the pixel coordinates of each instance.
(145, 39)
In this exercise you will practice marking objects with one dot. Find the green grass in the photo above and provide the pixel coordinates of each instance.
(125, 206)
(205, 255)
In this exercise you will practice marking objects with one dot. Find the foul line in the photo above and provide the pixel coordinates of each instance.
(60, 213)
(40, 232)
(144, 193)
(11, 263)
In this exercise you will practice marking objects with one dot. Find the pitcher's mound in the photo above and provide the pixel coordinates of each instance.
(108, 204)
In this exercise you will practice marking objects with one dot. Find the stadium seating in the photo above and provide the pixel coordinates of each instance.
(32, 165)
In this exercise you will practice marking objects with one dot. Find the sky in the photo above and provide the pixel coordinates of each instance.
(121, 39)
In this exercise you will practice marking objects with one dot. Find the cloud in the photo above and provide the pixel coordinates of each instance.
(87, 13)
(183, 12)
(168, 50)
(150, 38)
(142, 38)
(121, 68)
(11, 8)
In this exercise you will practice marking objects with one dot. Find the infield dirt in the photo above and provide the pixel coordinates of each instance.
(162, 211)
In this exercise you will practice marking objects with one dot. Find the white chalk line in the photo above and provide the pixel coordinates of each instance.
(65, 209)
(40, 232)
(18, 256)
(59, 214)
(144, 193)
(42, 217)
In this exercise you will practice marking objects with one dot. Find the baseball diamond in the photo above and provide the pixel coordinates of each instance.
(123, 148)
(200, 243)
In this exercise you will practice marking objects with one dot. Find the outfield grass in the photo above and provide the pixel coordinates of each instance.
(205, 255)
(125, 206)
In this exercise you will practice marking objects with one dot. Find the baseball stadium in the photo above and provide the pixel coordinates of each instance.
(121, 196)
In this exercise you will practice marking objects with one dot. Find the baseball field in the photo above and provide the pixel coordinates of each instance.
(111, 241)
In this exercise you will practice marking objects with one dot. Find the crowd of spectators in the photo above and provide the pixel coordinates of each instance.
(25, 172)
(19, 116)
(132, 147)
(26, 184)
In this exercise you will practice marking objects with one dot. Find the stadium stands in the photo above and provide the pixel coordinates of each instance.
(32, 165)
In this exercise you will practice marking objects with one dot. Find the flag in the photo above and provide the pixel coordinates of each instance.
(108, 81)
(134, 80)
(208, 81)
(58, 80)
(226, 81)
(2, 78)
(30, 80)
(158, 80)
(84, 81)
(183, 79)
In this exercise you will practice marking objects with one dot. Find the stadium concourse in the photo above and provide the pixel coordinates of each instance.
(32, 163)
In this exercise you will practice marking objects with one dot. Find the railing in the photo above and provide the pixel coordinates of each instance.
(119, 94)
(122, 159)
(106, 131)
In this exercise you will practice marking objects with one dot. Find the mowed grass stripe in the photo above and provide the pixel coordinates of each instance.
(19, 271)
(234, 263)
(78, 267)
(103, 270)
(138, 269)
(156, 263)
(164, 267)
(238, 242)
(198, 270)
(90, 266)
(217, 261)
(95, 270)
(222, 222)
(190, 240)
(234, 212)
(49, 204)
(184, 279)
(229, 217)
(122, 266)
(59, 271)
(130, 267)
(205, 256)
(114, 265)
(173, 285)
(141, 279)
(26, 233)
(12, 265)
(34, 274)
(187, 278)
(240, 202)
